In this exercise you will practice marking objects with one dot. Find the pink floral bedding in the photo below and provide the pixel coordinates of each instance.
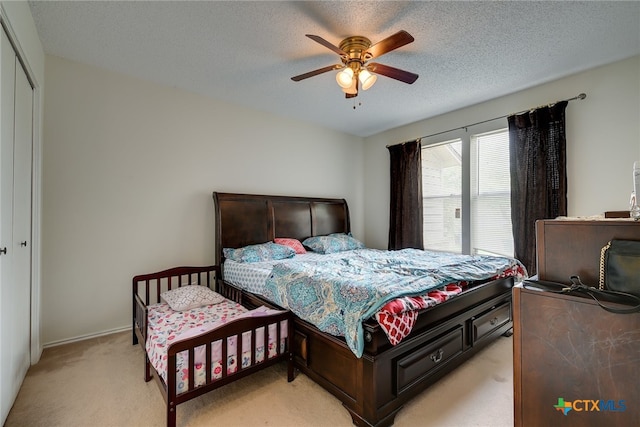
(166, 326)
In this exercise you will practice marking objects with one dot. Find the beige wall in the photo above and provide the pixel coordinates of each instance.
(129, 168)
(603, 141)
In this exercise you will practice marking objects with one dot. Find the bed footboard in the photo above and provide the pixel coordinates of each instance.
(257, 328)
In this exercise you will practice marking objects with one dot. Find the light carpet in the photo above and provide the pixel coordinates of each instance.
(99, 382)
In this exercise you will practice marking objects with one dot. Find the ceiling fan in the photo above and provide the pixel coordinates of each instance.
(355, 53)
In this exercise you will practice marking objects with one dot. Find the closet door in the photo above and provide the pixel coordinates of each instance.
(16, 116)
(7, 79)
(22, 154)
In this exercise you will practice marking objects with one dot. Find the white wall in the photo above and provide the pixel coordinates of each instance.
(129, 168)
(603, 141)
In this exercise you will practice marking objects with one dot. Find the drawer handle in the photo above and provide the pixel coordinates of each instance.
(437, 356)
(493, 321)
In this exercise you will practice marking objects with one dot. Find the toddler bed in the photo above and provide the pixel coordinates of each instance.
(196, 341)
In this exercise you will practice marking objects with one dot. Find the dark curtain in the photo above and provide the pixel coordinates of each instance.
(537, 150)
(405, 219)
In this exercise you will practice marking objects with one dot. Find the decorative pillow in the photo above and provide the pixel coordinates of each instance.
(337, 242)
(292, 243)
(261, 252)
(191, 296)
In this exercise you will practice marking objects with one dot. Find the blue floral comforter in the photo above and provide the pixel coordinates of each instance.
(337, 295)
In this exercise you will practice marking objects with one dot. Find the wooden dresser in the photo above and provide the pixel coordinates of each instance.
(572, 247)
(568, 350)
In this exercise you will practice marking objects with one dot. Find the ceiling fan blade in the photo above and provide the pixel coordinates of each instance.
(394, 73)
(395, 41)
(316, 72)
(326, 44)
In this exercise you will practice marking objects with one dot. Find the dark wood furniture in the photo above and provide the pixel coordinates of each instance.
(617, 214)
(147, 289)
(572, 247)
(567, 347)
(372, 388)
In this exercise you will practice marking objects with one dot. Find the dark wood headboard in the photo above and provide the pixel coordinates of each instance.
(248, 219)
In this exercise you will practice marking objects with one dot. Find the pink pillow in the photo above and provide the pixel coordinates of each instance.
(292, 243)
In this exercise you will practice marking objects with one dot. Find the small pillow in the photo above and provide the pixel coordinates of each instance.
(191, 296)
(292, 243)
(337, 242)
(261, 252)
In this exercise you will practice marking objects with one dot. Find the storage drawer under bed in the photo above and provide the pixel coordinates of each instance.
(420, 364)
(491, 320)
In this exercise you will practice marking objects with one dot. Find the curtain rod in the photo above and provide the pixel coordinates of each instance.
(581, 96)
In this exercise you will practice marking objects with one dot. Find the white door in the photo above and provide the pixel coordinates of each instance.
(16, 115)
(7, 83)
(23, 143)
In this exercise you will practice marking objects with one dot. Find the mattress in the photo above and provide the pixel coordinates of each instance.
(396, 317)
(251, 277)
(166, 327)
(446, 273)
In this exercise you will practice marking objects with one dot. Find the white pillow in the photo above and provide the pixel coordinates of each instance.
(191, 296)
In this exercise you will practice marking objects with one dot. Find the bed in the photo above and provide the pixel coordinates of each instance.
(376, 385)
(195, 340)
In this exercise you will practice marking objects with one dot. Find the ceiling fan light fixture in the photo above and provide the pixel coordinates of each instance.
(367, 79)
(355, 70)
(352, 89)
(345, 78)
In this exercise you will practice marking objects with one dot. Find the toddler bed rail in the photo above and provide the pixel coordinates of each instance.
(231, 350)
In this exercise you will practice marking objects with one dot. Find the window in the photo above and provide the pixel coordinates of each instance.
(466, 194)
(442, 196)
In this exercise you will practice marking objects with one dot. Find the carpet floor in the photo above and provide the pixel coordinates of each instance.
(99, 383)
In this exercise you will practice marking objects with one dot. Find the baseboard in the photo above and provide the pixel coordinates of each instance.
(86, 337)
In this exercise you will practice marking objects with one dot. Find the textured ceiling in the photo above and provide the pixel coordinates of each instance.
(246, 52)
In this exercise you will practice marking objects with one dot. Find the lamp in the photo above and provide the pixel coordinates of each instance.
(345, 78)
(367, 79)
